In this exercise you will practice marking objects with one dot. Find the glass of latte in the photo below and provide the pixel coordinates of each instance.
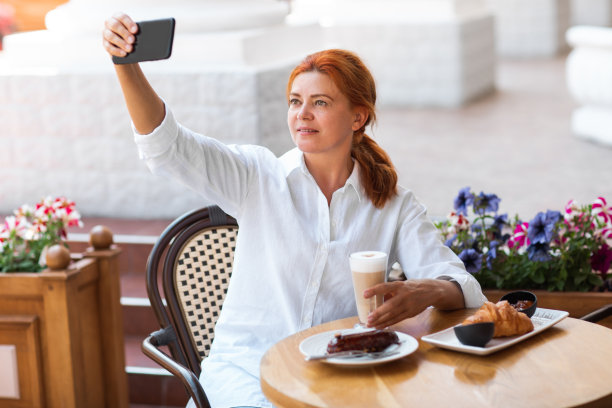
(368, 268)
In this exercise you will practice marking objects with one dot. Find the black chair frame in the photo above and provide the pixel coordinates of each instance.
(184, 362)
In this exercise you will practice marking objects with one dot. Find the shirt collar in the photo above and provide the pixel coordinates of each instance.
(293, 160)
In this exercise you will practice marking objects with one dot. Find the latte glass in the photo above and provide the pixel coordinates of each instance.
(368, 268)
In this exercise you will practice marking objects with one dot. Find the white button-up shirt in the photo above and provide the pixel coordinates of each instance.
(291, 268)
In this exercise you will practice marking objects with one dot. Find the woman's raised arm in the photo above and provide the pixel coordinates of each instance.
(144, 105)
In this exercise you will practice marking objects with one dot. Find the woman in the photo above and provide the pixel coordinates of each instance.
(300, 215)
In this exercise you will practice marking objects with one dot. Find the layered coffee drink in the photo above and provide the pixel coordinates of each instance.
(368, 268)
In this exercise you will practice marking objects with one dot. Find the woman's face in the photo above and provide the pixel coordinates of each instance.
(320, 117)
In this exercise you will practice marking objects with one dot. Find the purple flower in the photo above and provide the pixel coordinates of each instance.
(471, 259)
(492, 254)
(484, 203)
(463, 199)
(539, 252)
(542, 228)
(602, 259)
(449, 242)
(500, 221)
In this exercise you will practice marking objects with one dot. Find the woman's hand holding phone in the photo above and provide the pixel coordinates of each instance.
(144, 105)
(129, 42)
(119, 35)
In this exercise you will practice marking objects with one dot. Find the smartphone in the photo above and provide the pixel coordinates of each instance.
(153, 42)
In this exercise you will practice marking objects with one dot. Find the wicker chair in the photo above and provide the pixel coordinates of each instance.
(192, 263)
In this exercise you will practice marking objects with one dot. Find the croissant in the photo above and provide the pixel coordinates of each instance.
(508, 321)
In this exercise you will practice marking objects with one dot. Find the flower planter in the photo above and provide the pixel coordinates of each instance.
(577, 304)
(65, 329)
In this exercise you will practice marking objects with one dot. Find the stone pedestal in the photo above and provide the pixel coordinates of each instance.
(589, 80)
(591, 12)
(64, 128)
(421, 52)
(530, 28)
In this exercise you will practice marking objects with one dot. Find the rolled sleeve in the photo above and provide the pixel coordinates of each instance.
(159, 140)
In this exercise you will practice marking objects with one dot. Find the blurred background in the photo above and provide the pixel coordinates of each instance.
(508, 97)
(512, 97)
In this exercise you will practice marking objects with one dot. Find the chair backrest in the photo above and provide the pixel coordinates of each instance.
(192, 263)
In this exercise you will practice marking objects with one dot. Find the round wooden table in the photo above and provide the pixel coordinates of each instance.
(569, 364)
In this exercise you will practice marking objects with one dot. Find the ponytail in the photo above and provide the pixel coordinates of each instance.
(354, 80)
(377, 173)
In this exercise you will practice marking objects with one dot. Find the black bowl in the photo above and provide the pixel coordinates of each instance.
(476, 334)
(514, 297)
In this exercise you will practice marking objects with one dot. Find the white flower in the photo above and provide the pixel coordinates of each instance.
(18, 226)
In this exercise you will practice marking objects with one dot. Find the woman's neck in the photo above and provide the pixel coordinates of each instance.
(330, 175)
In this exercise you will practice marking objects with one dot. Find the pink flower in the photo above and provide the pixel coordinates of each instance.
(7, 20)
(519, 237)
(573, 216)
(601, 209)
(604, 233)
(572, 209)
(25, 211)
(17, 226)
(36, 230)
(458, 221)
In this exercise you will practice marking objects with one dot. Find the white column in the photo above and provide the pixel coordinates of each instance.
(421, 52)
(591, 12)
(530, 28)
(589, 80)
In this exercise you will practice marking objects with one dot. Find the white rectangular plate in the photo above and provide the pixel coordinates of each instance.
(542, 320)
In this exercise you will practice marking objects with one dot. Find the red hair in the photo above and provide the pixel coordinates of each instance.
(354, 80)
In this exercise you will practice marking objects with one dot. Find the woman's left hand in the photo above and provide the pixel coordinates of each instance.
(405, 299)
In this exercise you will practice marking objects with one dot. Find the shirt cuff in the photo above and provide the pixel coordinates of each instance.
(159, 140)
(472, 293)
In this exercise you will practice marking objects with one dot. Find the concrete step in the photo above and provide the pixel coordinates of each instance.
(138, 317)
(149, 383)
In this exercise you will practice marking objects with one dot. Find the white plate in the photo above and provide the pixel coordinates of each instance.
(542, 319)
(317, 344)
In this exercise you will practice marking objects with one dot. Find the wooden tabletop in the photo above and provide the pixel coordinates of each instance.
(569, 364)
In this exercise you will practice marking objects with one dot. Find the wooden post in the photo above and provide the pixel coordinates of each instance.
(111, 325)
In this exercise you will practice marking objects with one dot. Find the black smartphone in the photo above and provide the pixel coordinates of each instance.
(153, 42)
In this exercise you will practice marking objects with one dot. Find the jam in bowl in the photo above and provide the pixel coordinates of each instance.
(523, 301)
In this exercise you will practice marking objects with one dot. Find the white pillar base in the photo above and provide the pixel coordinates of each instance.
(589, 81)
(593, 123)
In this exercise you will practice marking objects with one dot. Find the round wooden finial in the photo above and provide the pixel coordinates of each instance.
(100, 237)
(57, 257)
